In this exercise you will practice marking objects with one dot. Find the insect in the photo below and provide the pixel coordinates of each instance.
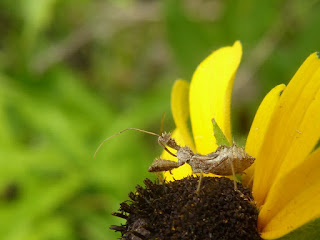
(224, 161)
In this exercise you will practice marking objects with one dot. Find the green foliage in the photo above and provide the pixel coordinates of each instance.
(308, 231)
(75, 72)
(47, 143)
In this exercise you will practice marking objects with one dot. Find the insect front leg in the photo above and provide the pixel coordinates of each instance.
(160, 165)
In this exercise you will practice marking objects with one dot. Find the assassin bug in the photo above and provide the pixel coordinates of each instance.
(225, 161)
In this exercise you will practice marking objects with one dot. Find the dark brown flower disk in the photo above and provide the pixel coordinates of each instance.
(175, 211)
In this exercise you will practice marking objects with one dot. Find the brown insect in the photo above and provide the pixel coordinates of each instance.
(224, 161)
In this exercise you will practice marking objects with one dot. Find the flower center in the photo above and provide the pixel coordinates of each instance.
(174, 210)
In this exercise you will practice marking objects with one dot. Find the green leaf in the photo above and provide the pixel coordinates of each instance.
(219, 135)
(310, 230)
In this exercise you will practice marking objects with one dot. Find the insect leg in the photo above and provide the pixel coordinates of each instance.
(160, 178)
(234, 176)
(234, 179)
(200, 180)
(160, 165)
(166, 149)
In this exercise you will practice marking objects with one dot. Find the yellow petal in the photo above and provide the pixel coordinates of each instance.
(184, 170)
(210, 96)
(180, 110)
(259, 127)
(262, 119)
(293, 131)
(293, 201)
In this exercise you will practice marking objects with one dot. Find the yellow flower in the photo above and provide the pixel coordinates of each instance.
(285, 177)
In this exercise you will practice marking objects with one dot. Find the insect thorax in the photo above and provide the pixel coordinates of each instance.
(184, 154)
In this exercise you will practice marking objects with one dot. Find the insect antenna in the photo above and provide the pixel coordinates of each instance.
(116, 134)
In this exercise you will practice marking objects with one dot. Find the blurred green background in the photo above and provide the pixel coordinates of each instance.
(74, 72)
